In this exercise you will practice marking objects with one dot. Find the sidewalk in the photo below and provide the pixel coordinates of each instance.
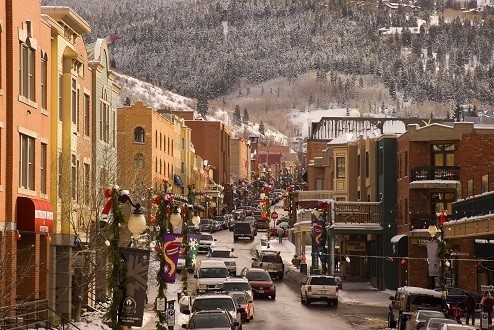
(355, 293)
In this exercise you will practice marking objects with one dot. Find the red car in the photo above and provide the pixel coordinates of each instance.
(243, 300)
(261, 282)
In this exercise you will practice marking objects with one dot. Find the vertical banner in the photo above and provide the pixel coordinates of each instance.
(171, 250)
(434, 265)
(134, 284)
(193, 240)
(318, 233)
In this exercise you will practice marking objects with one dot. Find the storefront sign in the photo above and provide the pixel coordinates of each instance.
(355, 246)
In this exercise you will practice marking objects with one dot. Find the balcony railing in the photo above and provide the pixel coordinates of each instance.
(424, 220)
(357, 212)
(421, 173)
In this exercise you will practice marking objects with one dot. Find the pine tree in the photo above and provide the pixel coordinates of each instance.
(237, 117)
(457, 112)
(262, 129)
(202, 106)
(246, 116)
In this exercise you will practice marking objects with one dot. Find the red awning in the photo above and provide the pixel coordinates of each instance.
(34, 215)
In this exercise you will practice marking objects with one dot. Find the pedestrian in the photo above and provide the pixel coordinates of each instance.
(280, 234)
(469, 305)
(487, 303)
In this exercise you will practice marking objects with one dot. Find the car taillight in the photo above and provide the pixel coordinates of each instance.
(309, 288)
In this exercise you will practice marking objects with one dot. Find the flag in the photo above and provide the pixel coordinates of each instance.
(171, 252)
(193, 240)
(434, 266)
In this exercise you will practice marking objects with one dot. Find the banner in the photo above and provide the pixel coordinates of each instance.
(134, 284)
(193, 240)
(171, 251)
(433, 260)
(318, 233)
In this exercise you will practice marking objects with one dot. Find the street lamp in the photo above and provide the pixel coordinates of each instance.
(176, 221)
(137, 222)
(432, 230)
(196, 220)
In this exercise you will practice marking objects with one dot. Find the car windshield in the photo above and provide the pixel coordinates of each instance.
(271, 258)
(213, 273)
(258, 276)
(236, 286)
(206, 237)
(213, 303)
(204, 222)
(206, 321)
(240, 299)
(220, 254)
(424, 300)
(434, 322)
(425, 315)
(323, 281)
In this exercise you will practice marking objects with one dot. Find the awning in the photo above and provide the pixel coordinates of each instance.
(34, 215)
(397, 238)
(178, 180)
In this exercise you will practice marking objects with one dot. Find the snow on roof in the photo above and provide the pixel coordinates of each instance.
(342, 139)
(423, 291)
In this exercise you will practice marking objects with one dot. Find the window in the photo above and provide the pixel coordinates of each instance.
(87, 115)
(485, 183)
(26, 162)
(358, 166)
(43, 167)
(405, 165)
(340, 167)
(73, 176)
(114, 129)
(470, 188)
(26, 71)
(60, 164)
(73, 93)
(443, 154)
(60, 103)
(367, 164)
(44, 81)
(139, 135)
(156, 139)
(104, 119)
(87, 184)
(381, 161)
(139, 162)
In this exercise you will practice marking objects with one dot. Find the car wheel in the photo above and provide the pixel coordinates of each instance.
(301, 299)
(335, 303)
(280, 277)
(273, 297)
(307, 301)
(391, 322)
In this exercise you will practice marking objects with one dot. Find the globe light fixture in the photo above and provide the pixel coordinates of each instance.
(432, 230)
(347, 259)
(137, 222)
(176, 221)
(196, 220)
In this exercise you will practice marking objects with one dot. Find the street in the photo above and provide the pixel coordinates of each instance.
(286, 312)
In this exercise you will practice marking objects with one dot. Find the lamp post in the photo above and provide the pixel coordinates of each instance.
(137, 225)
(316, 230)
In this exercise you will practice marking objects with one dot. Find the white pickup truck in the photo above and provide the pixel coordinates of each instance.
(319, 288)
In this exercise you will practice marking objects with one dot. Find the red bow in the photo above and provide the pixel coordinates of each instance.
(107, 208)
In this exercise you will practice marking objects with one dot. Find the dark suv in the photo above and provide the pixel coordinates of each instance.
(408, 299)
(243, 229)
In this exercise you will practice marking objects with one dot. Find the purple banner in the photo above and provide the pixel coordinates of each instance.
(135, 284)
(318, 233)
(171, 252)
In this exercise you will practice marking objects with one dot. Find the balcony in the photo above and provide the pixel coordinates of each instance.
(422, 173)
(434, 177)
(357, 217)
(422, 220)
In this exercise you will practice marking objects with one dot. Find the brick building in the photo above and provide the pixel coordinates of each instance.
(25, 112)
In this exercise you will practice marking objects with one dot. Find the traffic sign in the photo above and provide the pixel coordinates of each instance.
(171, 317)
(274, 215)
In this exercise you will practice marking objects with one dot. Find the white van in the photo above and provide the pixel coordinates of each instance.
(210, 275)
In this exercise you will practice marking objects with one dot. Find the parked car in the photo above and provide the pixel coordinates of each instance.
(456, 296)
(419, 317)
(205, 225)
(409, 299)
(435, 322)
(222, 302)
(260, 281)
(211, 319)
(271, 262)
(210, 275)
(243, 229)
(456, 327)
(222, 220)
(244, 301)
(205, 242)
(224, 254)
(237, 284)
(319, 288)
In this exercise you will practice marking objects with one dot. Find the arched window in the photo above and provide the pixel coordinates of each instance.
(139, 135)
(139, 162)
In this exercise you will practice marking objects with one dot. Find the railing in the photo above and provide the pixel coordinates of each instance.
(357, 212)
(30, 315)
(421, 173)
(422, 220)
